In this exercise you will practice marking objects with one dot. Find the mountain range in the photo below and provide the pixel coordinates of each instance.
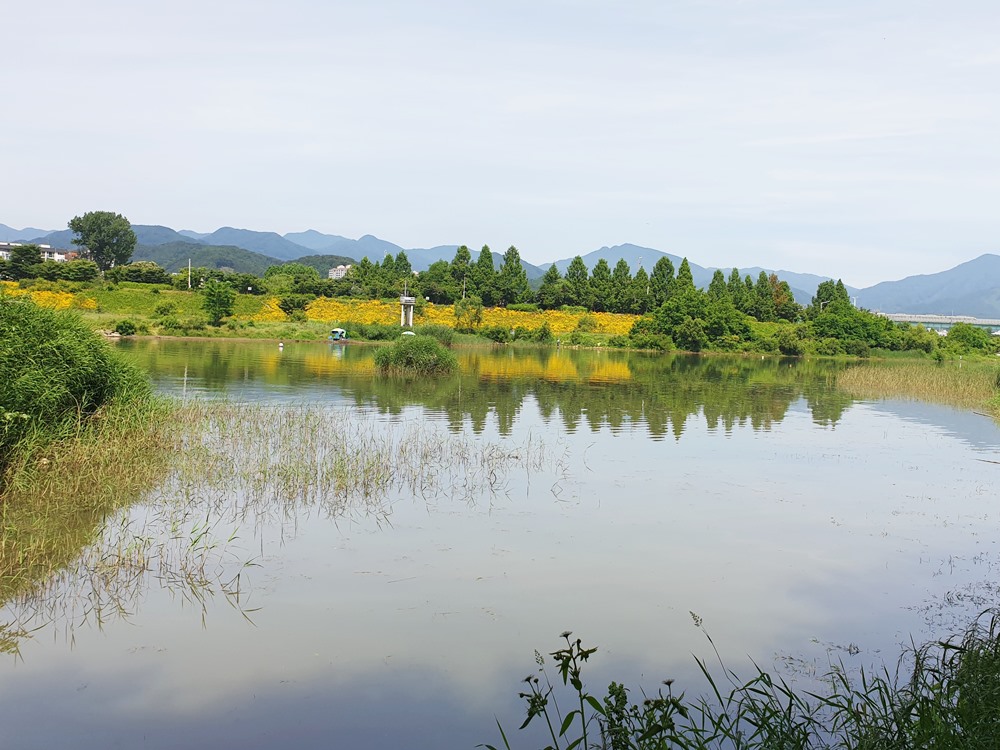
(971, 288)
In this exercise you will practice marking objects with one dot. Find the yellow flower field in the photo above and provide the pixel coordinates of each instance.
(375, 311)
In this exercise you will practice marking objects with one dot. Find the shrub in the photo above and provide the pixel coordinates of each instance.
(415, 355)
(500, 334)
(857, 348)
(523, 307)
(125, 328)
(164, 309)
(54, 372)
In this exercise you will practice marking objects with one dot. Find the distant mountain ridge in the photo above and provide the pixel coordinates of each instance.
(971, 288)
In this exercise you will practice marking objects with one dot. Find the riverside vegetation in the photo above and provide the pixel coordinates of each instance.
(662, 310)
(943, 695)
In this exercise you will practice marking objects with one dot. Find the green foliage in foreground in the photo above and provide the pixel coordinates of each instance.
(54, 374)
(949, 698)
(416, 355)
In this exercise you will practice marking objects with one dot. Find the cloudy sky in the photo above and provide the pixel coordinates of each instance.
(858, 139)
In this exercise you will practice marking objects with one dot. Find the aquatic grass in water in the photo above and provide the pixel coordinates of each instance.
(948, 700)
(162, 503)
(416, 355)
(968, 385)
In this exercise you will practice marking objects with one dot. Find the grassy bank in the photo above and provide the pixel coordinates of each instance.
(943, 695)
(80, 435)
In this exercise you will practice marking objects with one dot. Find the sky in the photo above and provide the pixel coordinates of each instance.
(851, 139)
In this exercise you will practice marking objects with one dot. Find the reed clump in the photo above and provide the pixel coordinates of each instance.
(55, 374)
(969, 385)
(416, 355)
(943, 695)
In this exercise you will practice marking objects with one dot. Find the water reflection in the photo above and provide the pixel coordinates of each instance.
(577, 389)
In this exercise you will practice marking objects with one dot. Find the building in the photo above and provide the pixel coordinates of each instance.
(339, 272)
(47, 252)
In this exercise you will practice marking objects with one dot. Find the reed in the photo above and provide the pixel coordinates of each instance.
(970, 385)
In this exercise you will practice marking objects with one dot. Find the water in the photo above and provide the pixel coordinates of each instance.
(801, 526)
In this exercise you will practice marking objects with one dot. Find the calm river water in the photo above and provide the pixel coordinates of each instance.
(607, 493)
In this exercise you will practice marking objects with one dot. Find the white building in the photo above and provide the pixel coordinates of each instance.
(47, 252)
(339, 272)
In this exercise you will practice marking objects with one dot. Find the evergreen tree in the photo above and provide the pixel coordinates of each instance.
(24, 261)
(737, 291)
(640, 296)
(660, 282)
(550, 293)
(403, 268)
(685, 280)
(621, 292)
(764, 299)
(577, 283)
(460, 268)
(484, 273)
(512, 281)
(602, 290)
(717, 289)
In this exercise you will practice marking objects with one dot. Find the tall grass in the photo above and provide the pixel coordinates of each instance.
(54, 375)
(969, 385)
(416, 355)
(942, 696)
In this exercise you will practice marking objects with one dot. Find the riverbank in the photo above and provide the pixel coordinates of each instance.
(80, 435)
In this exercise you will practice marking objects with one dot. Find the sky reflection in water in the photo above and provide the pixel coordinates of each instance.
(795, 522)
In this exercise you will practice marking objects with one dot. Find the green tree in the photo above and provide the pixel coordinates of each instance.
(763, 306)
(24, 261)
(512, 281)
(218, 301)
(621, 281)
(639, 293)
(437, 284)
(79, 270)
(965, 338)
(717, 289)
(661, 282)
(602, 289)
(468, 313)
(461, 266)
(684, 279)
(737, 291)
(690, 335)
(107, 237)
(403, 267)
(578, 283)
(484, 275)
(550, 293)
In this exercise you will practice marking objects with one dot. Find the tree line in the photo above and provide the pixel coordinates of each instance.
(673, 311)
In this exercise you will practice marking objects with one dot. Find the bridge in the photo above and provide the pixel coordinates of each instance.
(942, 321)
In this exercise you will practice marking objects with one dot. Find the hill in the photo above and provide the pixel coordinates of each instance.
(971, 288)
(174, 257)
(9, 234)
(265, 243)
